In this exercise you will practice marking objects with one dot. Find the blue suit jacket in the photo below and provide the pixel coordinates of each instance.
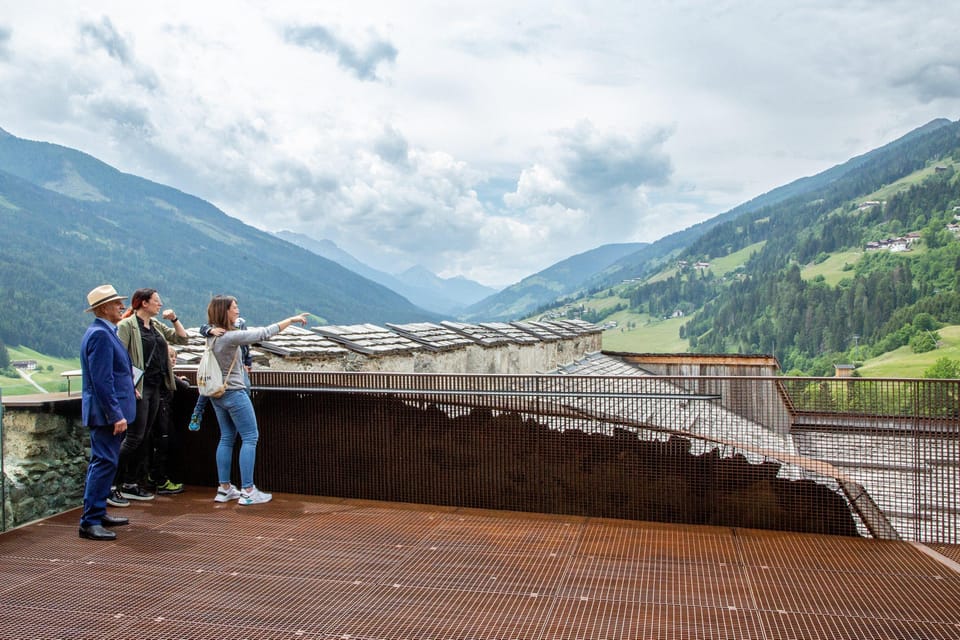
(108, 393)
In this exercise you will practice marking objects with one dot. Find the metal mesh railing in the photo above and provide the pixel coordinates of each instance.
(897, 438)
(796, 454)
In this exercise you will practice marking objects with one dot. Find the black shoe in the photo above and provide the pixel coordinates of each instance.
(96, 532)
(134, 492)
(110, 521)
(117, 500)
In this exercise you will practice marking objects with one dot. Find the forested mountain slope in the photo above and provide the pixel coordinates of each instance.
(602, 268)
(71, 222)
(561, 278)
(650, 259)
(767, 306)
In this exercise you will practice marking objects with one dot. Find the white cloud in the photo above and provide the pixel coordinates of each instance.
(4, 40)
(488, 140)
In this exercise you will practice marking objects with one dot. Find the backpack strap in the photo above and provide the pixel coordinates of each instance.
(235, 354)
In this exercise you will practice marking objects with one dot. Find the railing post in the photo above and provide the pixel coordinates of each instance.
(3, 472)
(916, 461)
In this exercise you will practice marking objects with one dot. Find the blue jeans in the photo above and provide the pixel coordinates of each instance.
(235, 416)
(202, 401)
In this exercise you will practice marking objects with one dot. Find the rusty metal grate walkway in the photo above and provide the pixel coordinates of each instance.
(308, 567)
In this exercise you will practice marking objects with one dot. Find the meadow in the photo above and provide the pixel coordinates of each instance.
(47, 374)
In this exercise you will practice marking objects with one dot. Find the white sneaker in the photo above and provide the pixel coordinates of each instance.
(254, 496)
(226, 496)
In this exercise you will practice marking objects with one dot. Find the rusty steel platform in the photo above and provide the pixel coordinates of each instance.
(305, 567)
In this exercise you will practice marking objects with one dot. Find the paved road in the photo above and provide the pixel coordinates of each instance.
(26, 376)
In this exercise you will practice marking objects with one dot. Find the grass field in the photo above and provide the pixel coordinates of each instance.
(47, 374)
(908, 181)
(647, 335)
(719, 266)
(904, 363)
(832, 268)
(726, 264)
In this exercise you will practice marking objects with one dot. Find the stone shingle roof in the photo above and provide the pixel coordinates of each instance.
(576, 325)
(598, 364)
(515, 334)
(709, 420)
(479, 334)
(371, 339)
(293, 342)
(432, 336)
(563, 330)
(298, 342)
(537, 330)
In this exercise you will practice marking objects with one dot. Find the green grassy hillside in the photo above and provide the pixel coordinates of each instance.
(835, 268)
(904, 363)
(794, 279)
(640, 333)
(47, 374)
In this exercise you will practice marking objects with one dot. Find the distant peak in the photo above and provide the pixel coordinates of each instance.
(418, 270)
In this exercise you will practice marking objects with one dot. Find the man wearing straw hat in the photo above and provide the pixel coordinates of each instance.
(109, 403)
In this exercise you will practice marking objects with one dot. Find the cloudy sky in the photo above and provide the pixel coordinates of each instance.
(487, 139)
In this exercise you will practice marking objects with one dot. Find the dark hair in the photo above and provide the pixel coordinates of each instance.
(137, 299)
(218, 312)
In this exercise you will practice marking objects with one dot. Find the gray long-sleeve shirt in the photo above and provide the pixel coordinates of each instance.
(228, 345)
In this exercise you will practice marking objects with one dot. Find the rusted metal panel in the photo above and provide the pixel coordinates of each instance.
(319, 567)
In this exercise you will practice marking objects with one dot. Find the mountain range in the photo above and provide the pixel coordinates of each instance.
(645, 259)
(449, 296)
(72, 222)
(562, 278)
(854, 262)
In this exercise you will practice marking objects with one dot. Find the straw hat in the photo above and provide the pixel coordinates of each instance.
(101, 295)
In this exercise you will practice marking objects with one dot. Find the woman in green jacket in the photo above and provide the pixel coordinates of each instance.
(146, 340)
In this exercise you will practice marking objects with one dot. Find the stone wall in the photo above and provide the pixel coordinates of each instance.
(45, 455)
(420, 348)
(506, 359)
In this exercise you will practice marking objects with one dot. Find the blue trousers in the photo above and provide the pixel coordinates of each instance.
(235, 416)
(104, 455)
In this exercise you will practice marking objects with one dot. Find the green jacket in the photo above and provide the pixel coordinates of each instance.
(129, 334)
